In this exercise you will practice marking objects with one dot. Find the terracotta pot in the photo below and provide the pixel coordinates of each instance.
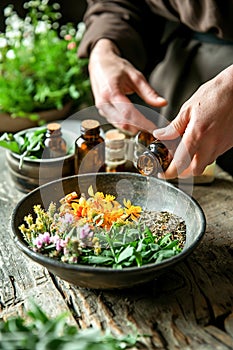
(10, 124)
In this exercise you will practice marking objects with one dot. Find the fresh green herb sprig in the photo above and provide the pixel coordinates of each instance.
(133, 247)
(43, 332)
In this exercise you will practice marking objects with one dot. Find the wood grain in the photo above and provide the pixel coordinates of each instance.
(189, 307)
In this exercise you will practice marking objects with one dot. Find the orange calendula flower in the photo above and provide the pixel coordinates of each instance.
(102, 210)
(132, 211)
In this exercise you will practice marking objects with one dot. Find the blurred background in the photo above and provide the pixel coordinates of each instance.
(72, 10)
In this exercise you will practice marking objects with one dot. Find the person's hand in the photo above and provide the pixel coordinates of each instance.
(112, 79)
(205, 123)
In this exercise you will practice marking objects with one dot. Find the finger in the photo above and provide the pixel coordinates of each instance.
(175, 129)
(115, 118)
(146, 92)
(133, 116)
(191, 161)
(167, 133)
(125, 116)
(181, 161)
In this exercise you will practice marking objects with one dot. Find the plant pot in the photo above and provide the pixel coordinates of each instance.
(11, 124)
(36, 172)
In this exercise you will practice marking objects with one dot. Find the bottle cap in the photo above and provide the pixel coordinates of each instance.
(115, 147)
(53, 126)
(114, 139)
(88, 124)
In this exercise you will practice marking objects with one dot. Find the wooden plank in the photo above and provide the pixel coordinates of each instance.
(186, 308)
(21, 280)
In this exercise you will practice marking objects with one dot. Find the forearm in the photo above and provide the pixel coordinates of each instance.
(126, 24)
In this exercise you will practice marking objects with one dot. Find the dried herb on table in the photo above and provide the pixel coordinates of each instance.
(99, 231)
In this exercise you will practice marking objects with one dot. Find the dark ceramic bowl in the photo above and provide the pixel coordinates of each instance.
(36, 172)
(148, 192)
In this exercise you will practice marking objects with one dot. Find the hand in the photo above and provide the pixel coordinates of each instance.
(112, 79)
(205, 123)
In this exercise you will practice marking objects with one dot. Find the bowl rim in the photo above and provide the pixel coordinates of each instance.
(44, 260)
(44, 161)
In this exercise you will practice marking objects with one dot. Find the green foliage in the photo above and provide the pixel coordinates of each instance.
(127, 247)
(43, 333)
(39, 67)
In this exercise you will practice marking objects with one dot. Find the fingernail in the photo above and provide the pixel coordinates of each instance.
(159, 132)
(161, 99)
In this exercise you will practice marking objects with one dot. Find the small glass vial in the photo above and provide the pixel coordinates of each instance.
(155, 157)
(116, 153)
(54, 144)
(89, 148)
(151, 157)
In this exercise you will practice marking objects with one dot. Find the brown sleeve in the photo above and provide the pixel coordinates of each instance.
(136, 26)
(129, 24)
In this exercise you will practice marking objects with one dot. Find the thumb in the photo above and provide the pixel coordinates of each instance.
(173, 130)
(167, 133)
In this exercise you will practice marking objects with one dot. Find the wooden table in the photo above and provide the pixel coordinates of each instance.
(188, 307)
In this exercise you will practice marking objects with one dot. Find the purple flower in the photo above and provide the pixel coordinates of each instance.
(41, 239)
(46, 238)
(68, 218)
(59, 242)
(85, 232)
(38, 242)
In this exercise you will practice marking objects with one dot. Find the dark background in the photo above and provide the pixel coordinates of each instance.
(71, 10)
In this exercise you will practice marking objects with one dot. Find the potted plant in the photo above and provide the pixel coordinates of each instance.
(40, 72)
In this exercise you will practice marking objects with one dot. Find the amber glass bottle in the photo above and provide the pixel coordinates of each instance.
(152, 156)
(155, 158)
(54, 144)
(89, 148)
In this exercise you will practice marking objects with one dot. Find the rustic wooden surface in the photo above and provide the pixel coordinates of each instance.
(190, 307)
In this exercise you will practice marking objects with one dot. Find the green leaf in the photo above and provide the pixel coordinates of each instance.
(164, 240)
(125, 254)
(7, 141)
(99, 260)
(44, 333)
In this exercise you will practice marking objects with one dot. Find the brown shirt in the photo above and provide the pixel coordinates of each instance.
(137, 26)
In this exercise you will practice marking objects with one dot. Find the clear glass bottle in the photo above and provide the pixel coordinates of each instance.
(116, 152)
(89, 148)
(54, 144)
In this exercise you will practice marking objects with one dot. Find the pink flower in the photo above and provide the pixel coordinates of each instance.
(71, 45)
(68, 218)
(38, 242)
(59, 243)
(46, 238)
(41, 239)
(68, 37)
(85, 232)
